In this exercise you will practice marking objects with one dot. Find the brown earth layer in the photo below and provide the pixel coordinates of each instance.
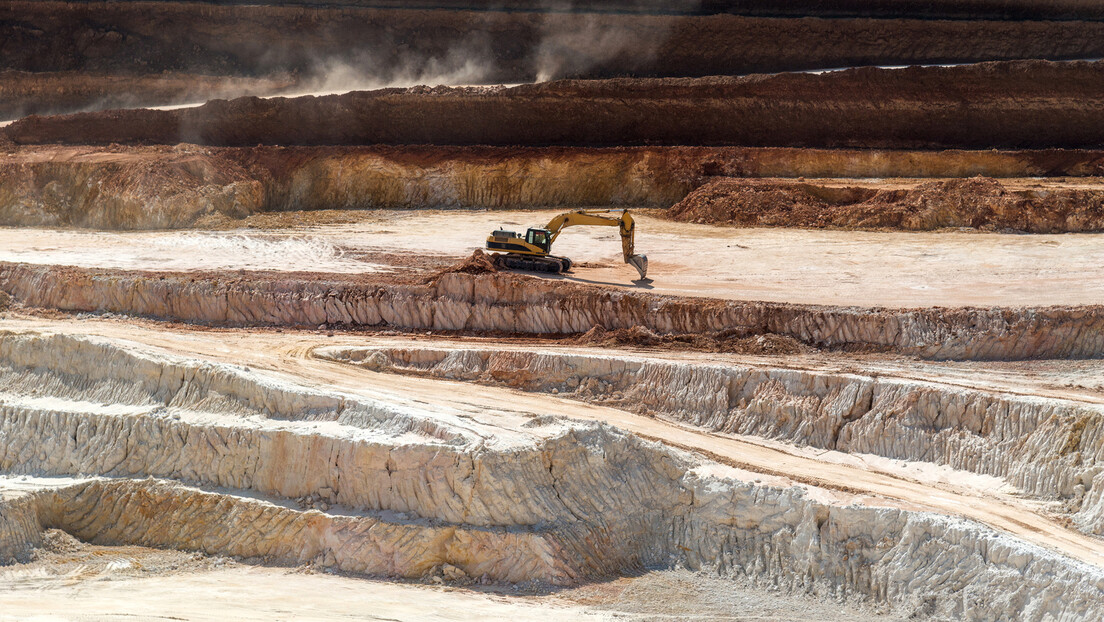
(514, 304)
(980, 202)
(24, 93)
(930, 9)
(184, 186)
(511, 46)
(1029, 104)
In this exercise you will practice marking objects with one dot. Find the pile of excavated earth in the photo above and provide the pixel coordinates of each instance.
(256, 363)
(983, 203)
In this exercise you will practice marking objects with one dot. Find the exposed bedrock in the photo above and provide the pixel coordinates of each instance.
(983, 203)
(381, 46)
(20, 529)
(1049, 448)
(1026, 104)
(781, 538)
(510, 303)
(560, 502)
(186, 421)
(169, 187)
(123, 191)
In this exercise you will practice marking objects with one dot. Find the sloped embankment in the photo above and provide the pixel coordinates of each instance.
(553, 501)
(494, 42)
(1050, 449)
(507, 303)
(155, 188)
(1022, 104)
(25, 93)
(158, 187)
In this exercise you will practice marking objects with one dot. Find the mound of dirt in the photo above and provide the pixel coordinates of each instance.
(980, 203)
(726, 342)
(478, 263)
(57, 541)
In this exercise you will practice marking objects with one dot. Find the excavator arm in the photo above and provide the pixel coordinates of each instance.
(600, 218)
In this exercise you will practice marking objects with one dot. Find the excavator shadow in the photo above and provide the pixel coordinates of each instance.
(638, 283)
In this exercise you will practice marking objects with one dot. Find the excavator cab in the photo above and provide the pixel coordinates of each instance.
(541, 238)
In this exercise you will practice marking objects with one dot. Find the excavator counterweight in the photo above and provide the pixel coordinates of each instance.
(533, 251)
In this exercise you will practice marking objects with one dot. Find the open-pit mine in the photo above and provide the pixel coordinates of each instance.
(266, 352)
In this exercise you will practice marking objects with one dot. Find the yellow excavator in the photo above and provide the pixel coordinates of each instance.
(533, 252)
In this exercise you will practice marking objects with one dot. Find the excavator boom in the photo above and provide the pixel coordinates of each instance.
(600, 218)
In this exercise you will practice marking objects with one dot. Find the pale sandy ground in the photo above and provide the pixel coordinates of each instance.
(862, 479)
(102, 584)
(257, 593)
(783, 265)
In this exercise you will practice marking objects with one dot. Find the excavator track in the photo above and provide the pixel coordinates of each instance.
(554, 265)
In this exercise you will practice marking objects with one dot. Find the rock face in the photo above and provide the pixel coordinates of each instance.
(1027, 104)
(506, 303)
(169, 187)
(169, 190)
(1049, 448)
(415, 489)
(982, 203)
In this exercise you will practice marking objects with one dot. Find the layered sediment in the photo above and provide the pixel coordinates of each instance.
(119, 190)
(507, 303)
(1026, 104)
(1048, 448)
(384, 45)
(928, 9)
(172, 187)
(556, 502)
(25, 93)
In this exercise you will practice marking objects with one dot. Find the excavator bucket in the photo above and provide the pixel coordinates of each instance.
(640, 262)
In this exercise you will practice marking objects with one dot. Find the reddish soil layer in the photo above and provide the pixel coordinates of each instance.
(170, 187)
(514, 46)
(979, 202)
(1029, 104)
(478, 263)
